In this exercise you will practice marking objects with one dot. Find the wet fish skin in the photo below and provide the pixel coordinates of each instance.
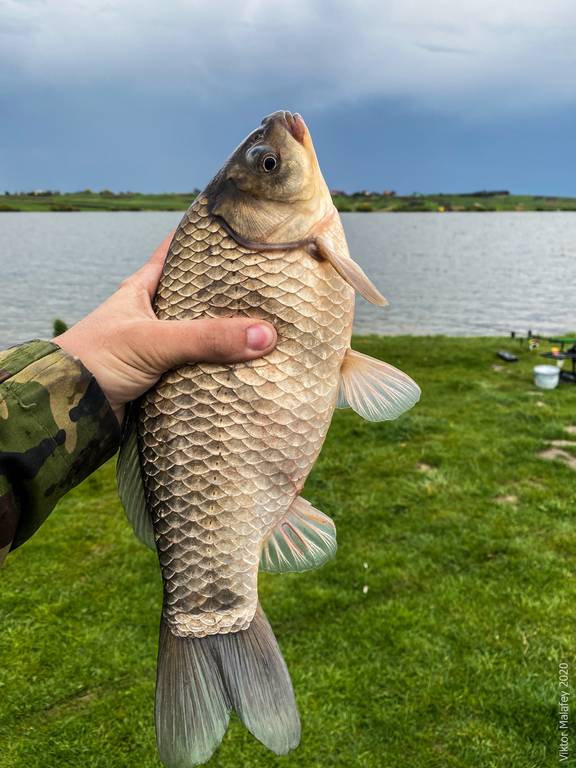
(226, 448)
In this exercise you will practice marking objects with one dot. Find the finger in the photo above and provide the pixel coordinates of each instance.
(164, 344)
(149, 274)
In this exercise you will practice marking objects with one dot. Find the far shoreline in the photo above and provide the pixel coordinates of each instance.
(358, 202)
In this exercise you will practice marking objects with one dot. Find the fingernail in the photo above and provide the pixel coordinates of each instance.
(258, 337)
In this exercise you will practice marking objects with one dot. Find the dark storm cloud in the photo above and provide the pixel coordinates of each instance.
(149, 94)
(330, 52)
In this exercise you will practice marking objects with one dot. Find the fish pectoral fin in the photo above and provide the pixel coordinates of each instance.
(348, 270)
(375, 390)
(131, 484)
(304, 539)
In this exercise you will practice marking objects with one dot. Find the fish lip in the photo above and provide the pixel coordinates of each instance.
(292, 121)
(296, 126)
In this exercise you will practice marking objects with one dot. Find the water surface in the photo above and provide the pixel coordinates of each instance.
(455, 274)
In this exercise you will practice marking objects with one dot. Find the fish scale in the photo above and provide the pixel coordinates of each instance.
(225, 449)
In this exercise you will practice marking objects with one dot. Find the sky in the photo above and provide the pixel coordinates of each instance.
(410, 95)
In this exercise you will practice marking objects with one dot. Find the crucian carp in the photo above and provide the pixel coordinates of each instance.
(215, 456)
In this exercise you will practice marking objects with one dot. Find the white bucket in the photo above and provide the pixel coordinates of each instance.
(546, 376)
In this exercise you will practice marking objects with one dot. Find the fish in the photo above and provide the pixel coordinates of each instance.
(214, 456)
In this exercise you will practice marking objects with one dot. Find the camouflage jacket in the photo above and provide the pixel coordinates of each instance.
(56, 427)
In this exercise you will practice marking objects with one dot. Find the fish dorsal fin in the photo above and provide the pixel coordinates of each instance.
(336, 253)
(131, 485)
(375, 390)
(304, 539)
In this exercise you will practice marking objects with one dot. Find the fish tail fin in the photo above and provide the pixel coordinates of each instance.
(258, 684)
(200, 680)
(192, 708)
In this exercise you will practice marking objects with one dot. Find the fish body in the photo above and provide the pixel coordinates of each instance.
(225, 449)
(215, 456)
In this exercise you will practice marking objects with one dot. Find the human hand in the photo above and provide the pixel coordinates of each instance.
(127, 349)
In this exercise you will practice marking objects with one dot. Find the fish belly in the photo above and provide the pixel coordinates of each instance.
(226, 448)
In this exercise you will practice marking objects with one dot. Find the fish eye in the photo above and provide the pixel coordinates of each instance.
(269, 163)
(263, 158)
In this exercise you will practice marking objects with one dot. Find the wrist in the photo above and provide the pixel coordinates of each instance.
(70, 344)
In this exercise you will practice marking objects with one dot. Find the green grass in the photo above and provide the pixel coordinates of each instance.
(133, 201)
(449, 660)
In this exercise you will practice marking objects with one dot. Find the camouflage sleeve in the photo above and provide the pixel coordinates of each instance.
(56, 427)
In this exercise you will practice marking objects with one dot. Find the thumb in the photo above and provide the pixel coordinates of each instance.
(164, 344)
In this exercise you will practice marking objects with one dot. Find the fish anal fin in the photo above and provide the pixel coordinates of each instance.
(304, 539)
(375, 390)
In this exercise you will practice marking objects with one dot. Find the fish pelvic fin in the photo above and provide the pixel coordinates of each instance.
(375, 390)
(201, 680)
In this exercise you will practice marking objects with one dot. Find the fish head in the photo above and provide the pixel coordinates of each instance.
(271, 188)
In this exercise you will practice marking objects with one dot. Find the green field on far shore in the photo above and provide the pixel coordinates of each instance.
(364, 202)
(432, 640)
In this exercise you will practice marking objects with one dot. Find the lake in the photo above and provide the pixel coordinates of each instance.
(456, 274)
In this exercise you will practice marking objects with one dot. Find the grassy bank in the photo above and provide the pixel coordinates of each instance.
(432, 640)
(107, 201)
(95, 201)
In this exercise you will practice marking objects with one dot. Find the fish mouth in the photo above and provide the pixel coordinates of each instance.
(292, 121)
